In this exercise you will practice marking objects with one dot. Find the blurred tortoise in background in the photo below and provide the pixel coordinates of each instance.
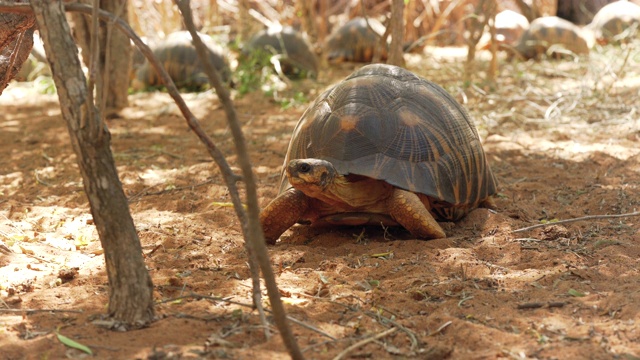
(384, 146)
(510, 26)
(293, 51)
(616, 22)
(355, 41)
(551, 35)
(180, 58)
(579, 12)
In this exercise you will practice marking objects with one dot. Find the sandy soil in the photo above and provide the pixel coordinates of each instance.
(562, 138)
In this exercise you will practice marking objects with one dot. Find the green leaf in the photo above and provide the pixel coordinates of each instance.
(374, 283)
(70, 343)
(576, 293)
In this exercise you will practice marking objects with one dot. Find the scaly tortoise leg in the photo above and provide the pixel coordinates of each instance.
(406, 208)
(488, 203)
(282, 213)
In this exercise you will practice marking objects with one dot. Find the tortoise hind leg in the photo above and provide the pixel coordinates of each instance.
(488, 203)
(406, 208)
(282, 213)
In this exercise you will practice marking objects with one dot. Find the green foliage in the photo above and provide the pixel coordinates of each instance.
(73, 344)
(44, 85)
(253, 70)
(299, 98)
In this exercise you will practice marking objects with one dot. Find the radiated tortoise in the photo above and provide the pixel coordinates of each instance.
(179, 57)
(356, 41)
(551, 35)
(616, 22)
(384, 146)
(295, 54)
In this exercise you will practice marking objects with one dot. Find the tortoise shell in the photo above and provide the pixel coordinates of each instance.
(550, 33)
(298, 58)
(386, 123)
(509, 25)
(612, 22)
(180, 58)
(355, 41)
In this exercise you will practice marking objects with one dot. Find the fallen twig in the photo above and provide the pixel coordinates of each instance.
(229, 301)
(146, 192)
(310, 327)
(412, 336)
(442, 327)
(376, 316)
(364, 342)
(540, 305)
(40, 311)
(589, 217)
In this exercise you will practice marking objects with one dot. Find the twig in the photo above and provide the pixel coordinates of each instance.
(310, 327)
(442, 327)
(412, 336)
(254, 243)
(589, 217)
(229, 301)
(364, 342)
(145, 192)
(40, 181)
(4, 248)
(376, 316)
(40, 311)
(539, 305)
(251, 228)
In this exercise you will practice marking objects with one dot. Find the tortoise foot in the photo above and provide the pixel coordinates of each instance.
(406, 208)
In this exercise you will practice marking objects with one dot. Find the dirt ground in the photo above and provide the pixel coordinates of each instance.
(562, 138)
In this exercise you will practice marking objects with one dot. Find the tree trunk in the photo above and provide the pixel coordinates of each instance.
(131, 290)
(115, 53)
(491, 21)
(397, 31)
(307, 13)
(323, 29)
(474, 26)
(244, 20)
(16, 41)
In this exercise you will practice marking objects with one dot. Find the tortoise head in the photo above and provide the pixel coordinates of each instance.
(311, 174)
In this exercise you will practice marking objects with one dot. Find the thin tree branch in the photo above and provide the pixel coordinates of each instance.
(254, 237)
(238, 136)
(590, 217)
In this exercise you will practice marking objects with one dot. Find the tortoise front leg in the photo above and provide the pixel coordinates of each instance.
(406, 208)
(282, 213)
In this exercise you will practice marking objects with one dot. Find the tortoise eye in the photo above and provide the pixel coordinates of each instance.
(304, 168)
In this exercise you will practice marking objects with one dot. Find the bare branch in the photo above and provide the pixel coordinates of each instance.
(254, 237)
(590, 217)
(364, 342)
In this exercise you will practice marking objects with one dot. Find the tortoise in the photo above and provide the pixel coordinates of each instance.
(616, 22)
(297, 58)
(580, 12)
(509, 25)
(355, 41)
(180, 58)
(383, 146)
(555, 35)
